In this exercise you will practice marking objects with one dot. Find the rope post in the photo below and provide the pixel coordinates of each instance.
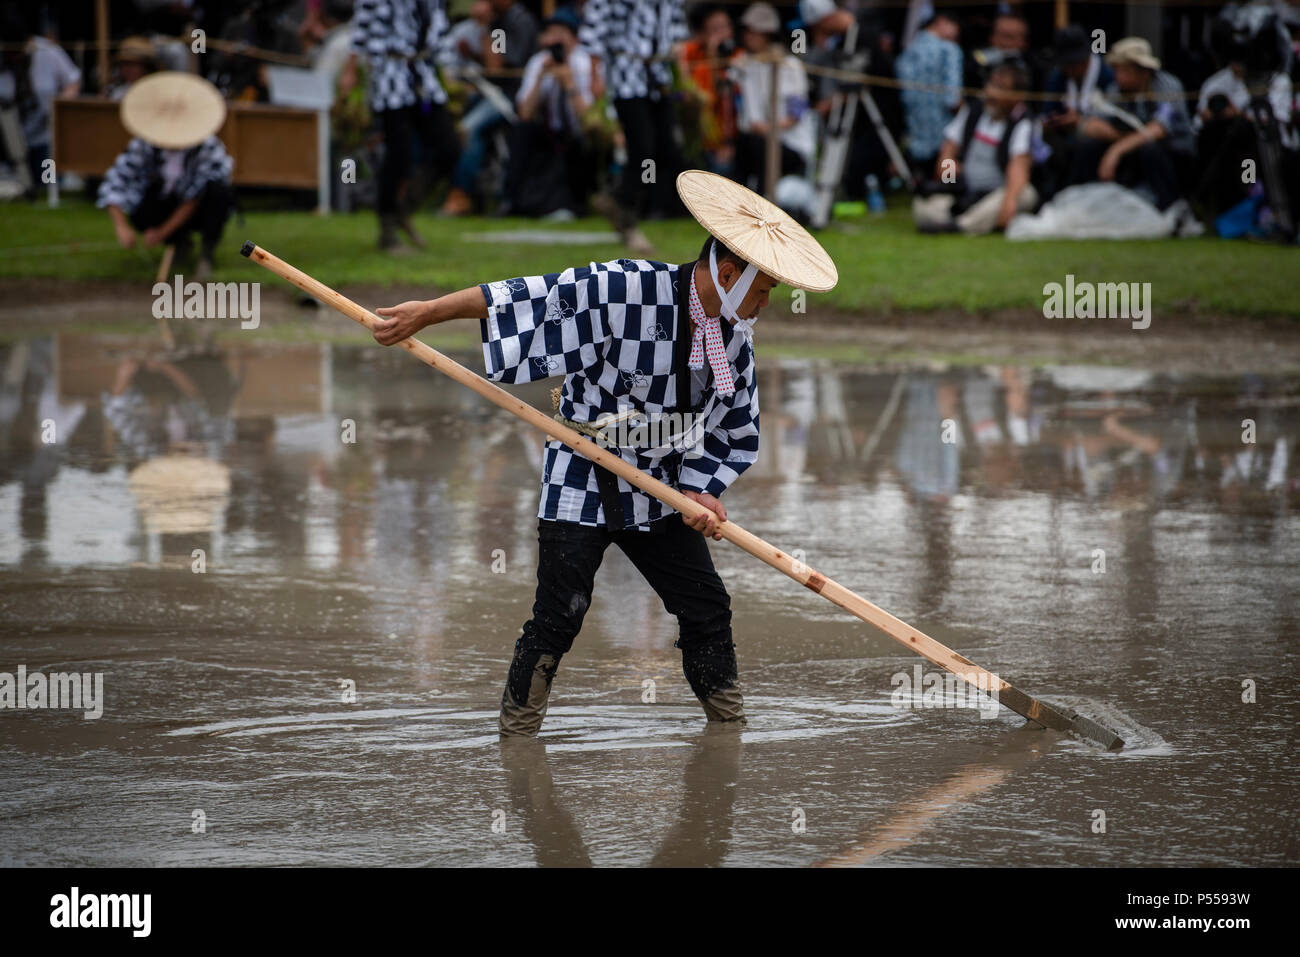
(773, 167)
(101, 41)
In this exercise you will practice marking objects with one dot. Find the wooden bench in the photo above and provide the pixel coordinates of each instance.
(271, 145)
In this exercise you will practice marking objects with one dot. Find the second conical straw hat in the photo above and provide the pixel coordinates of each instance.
(173, 110)
(757, 230)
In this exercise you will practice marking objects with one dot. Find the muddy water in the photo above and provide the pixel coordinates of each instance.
(203, 534)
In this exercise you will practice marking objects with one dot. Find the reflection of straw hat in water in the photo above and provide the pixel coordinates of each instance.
(173, 110)
(180, 494)
(757, 231)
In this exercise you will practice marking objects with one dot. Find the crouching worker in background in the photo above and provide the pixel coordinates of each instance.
(173, 178)
(982, 174)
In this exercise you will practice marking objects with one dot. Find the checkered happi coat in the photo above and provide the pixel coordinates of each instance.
(387, 33)
(127, 180)
(626, 34)
(619, 333)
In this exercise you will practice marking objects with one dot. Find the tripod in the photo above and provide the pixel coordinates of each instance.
(839, 134)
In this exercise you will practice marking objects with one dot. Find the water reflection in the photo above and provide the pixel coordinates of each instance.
(361, 516)
(338, 456)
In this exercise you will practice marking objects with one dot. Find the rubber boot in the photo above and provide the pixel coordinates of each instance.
(710, 670)
(725, 705)
(533, 686)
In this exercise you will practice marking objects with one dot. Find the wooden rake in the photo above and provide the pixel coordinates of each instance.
(1023, 704)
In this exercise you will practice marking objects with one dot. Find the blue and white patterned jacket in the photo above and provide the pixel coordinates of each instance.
(620, 335)
(139, 165)
(401, 39)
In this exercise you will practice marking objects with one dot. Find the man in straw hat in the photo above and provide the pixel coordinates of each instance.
(667, 346)
(173, 178)
(135, 60)
(1147, 136)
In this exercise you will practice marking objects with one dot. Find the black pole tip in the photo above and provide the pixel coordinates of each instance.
(246, 250)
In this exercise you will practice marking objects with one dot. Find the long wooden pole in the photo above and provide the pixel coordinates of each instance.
(925, 646)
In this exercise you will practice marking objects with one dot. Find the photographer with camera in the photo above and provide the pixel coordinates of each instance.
(705, 60)
(550, 168)
(1244, 112)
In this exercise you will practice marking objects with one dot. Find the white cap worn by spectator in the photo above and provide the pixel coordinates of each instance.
(1133, 50)
(813, 12)
(761, 18)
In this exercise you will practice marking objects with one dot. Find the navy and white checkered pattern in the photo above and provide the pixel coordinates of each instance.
(387, 33)
(616, 331)
(625, 34)
(127, 180)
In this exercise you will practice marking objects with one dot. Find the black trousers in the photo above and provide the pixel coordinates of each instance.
(216, 203)
(648, 129)
(431, 125)
(672, 557)
(1152, 164)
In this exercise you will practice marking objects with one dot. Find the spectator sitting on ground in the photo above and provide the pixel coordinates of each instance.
(984, 163)
(714, 41)
(519, 35)
(550, 169)
(760, 28)
(1079, 75)
(135, 59)
(1141, 144)
(173, 178)
(933, 59)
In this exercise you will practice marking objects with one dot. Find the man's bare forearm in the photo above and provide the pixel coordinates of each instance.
(406, 319)
(465, 303)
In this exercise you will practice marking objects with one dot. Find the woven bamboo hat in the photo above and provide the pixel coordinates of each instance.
(758, 231)
(173, 110)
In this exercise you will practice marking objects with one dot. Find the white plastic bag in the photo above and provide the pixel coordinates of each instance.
(1102, 211)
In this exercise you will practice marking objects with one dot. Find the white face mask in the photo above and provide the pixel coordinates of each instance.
(733, 297)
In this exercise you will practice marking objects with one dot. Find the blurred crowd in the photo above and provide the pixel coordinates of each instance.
(975, 115)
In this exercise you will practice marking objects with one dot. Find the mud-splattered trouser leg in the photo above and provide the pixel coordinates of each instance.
(675, 560)
(568, 556)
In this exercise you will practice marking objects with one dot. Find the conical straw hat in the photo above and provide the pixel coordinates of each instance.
(180, 494)
(173, 110)
(757, 230)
